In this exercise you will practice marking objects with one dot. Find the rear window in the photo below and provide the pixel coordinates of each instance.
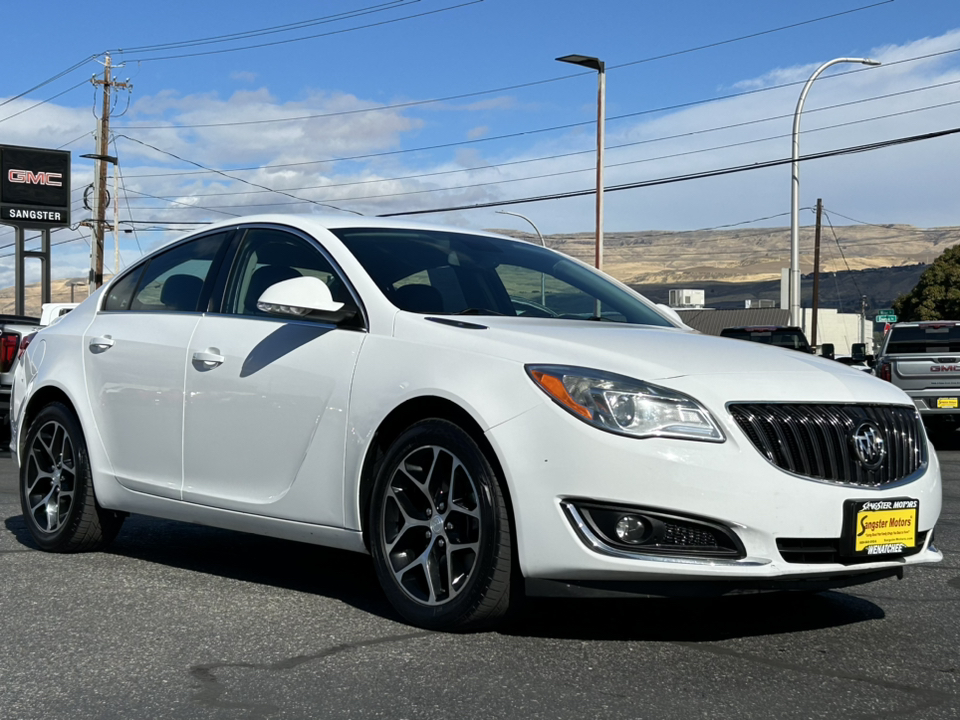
(793, 339)
(924, 339)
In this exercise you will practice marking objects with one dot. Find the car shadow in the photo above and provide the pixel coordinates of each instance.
(689, 619)
(301, 567)
(349, 577)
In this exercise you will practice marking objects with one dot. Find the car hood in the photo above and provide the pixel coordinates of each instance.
(721, 367)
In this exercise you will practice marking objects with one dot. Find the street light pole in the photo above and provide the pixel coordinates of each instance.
(794, 284)
(543, 277)
(596, 64)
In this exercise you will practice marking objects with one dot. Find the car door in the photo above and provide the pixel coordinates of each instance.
(134, 358)
(266, 397)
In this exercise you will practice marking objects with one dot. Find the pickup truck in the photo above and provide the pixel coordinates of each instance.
(923, 359)
(790, 337)
(13, 330)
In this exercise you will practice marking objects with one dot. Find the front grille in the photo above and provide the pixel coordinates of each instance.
(815, 440)
(819, 551)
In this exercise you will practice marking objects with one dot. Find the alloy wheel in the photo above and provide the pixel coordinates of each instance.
(431, 525)
(51, 477)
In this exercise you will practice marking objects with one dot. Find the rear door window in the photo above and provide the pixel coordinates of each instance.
(174, 281)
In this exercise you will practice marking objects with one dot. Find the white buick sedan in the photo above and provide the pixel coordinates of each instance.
(483, 416)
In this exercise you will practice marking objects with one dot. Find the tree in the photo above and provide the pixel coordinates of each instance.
(937, 293)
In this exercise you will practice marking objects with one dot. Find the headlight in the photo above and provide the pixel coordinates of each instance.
(625, 406)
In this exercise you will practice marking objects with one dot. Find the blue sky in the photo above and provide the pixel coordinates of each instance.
(506, 140)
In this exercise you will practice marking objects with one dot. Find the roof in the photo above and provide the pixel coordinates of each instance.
(711, 322)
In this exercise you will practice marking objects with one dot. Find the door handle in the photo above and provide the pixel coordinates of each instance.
(209, 358)
(99, 344)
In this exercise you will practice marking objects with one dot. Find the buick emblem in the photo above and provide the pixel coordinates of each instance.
(867, 441)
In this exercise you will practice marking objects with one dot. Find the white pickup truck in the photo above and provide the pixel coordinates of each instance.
(923, 360)
(13, 330)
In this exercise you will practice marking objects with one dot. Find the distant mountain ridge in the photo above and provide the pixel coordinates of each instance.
(732, 265)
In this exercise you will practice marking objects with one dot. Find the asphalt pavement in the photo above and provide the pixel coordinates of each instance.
(181, 621)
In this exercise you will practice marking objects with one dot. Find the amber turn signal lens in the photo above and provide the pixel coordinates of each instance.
(554, 387)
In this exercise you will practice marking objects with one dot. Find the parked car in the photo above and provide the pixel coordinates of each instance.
(790, 337)
(923, 360)
(376, 386)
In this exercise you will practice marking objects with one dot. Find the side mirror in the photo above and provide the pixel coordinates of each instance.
(672, 314)
(302, 297)
(827, 350)
(859, 352)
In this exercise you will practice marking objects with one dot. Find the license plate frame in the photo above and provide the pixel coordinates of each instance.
(948, 403)
(879, 529)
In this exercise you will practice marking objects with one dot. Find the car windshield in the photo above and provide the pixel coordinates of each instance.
(925, 339)
(449, 273)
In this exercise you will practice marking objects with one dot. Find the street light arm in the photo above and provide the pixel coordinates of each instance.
(524, 217)
(794, 278)
(806, 89)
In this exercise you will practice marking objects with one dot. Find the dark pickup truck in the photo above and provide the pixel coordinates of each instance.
(785, 337)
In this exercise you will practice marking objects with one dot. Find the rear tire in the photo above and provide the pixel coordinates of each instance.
(439, 530)
(56, 488)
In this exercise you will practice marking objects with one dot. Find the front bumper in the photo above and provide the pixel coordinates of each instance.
(549, 456)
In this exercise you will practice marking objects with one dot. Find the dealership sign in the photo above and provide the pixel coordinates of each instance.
(34, 187)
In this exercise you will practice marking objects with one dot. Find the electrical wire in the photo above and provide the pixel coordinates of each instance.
(558, 173)
(311, 37)
(533, 83)
(116, 152)
(837, 240)
(49, 80)
(392, 4)
(647, 141)
(44, 102)
(233, 177)
(690, 176)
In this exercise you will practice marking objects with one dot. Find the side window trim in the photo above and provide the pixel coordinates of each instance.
(229, 270)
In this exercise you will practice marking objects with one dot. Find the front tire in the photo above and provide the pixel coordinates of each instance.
(439, 530)
(56, 488)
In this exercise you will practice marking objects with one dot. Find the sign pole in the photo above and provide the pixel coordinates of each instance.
(19, 304)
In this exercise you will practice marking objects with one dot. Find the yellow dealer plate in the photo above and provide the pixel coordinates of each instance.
(946, 402)
(881, 527)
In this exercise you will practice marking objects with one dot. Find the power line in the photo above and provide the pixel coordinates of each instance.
(116, 152)
(392, 4)
(233, 177)
(837, 240)
(690, 176)
(520, 86)
(44, 102)
(692, 133)
(311, 37)
(49, 80)
(529, 177)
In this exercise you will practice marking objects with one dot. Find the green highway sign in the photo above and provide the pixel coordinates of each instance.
(886, 318)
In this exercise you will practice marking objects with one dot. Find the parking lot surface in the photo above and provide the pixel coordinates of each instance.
(181, 621)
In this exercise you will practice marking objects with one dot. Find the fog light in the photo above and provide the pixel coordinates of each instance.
(630, 529)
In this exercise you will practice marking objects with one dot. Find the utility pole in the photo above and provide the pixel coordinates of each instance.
(816, 275)
(863, 317)
(100, 178)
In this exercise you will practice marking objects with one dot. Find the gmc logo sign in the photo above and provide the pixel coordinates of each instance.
(945, 368)
(28, 177)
